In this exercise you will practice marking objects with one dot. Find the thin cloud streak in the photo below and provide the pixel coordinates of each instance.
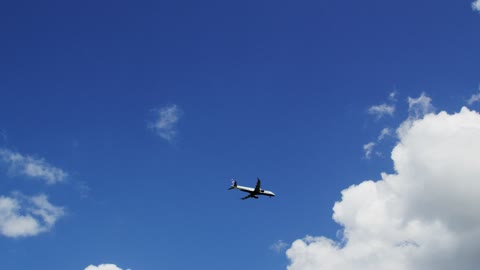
(19, 164)
(382, 110)
(474, 98)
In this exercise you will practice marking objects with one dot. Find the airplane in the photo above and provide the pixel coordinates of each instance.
(254, 192)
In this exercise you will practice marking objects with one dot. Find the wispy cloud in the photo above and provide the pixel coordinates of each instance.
(107, 266)
(385, 109)
(476, 5)
(279, 246)
(31, 167)
(166, 123)
(475, 97)
(22, 216)
(384, 133)
(382, 110)
(417, 109)
(393, 96)
(420, 106)
(368, 149)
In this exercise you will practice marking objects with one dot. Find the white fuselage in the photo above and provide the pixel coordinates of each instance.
(252, 190)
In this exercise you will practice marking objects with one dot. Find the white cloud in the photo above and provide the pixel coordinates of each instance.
(476, 97)
(32, 167)
(476, 5)
(384, 133)
(424, 216)
(166, 123)
(381, 110)
(368, 149)
(103, 267)
(393, 96)
(279, 246)
(22, 216)
(418, 107)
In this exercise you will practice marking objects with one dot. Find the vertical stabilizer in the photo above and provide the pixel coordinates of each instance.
(234, 184)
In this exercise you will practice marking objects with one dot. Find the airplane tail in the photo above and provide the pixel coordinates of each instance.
(234, 184)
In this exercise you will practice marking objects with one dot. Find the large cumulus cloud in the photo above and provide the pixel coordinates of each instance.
(423, 216)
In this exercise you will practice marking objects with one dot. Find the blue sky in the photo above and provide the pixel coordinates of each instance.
(122, 123)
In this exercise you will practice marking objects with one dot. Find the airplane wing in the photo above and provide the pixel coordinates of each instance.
(246, 197)
(250, 196)
(257, 187)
